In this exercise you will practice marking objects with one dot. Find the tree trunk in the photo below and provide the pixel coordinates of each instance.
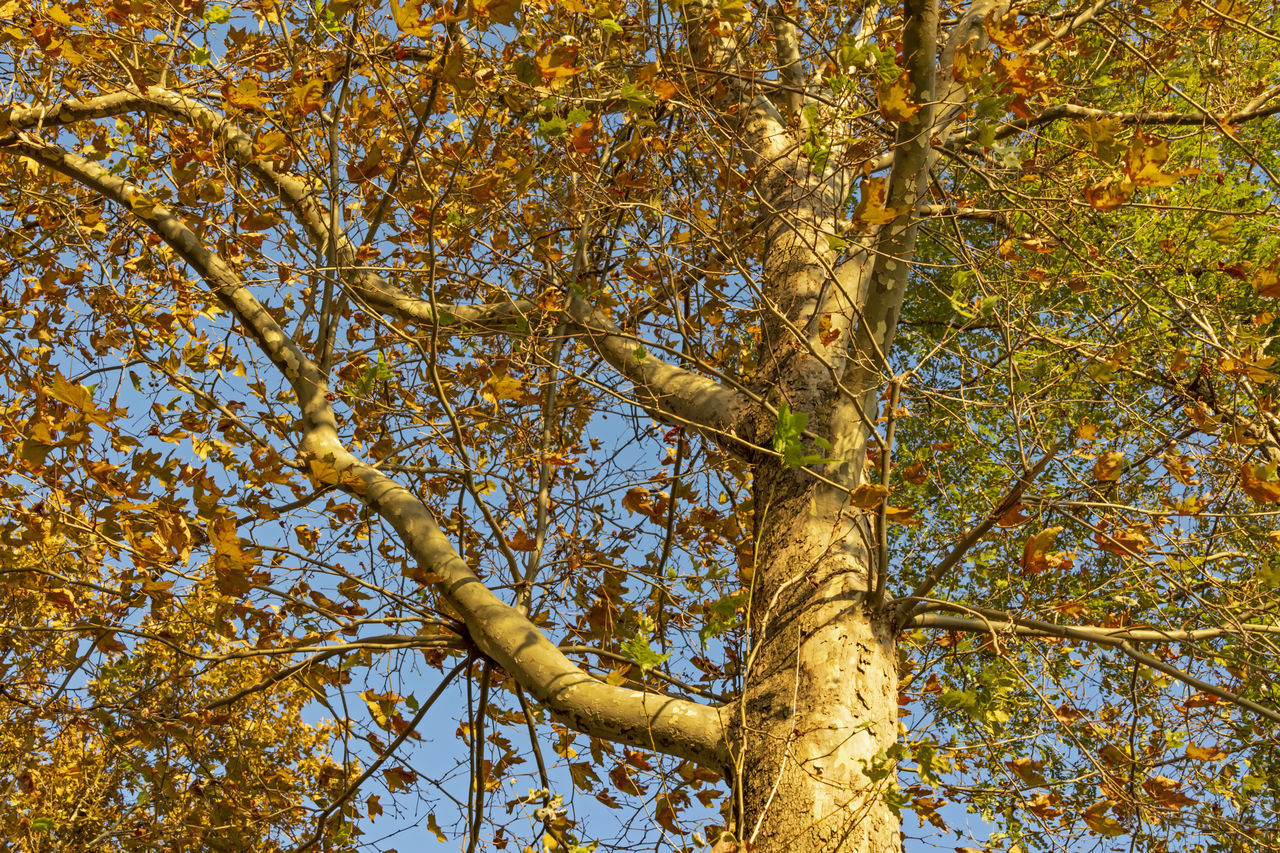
(821, 696)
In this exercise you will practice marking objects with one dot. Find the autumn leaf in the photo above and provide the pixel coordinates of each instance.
(1109, 194)
(1167, 792)
(1144, 161)
(244, 95)
(415, 18)
(557, 65)
(502, 387)
(1028, 771)
(496, 11)
(895, 99)
(1205, 753)
(1266, 280)
(1259, 482)
(871, 208)
(1108, 467)
(868, 495)
(1034, 553)
(1124, 542)
(309, 96)
(901, 515)
(1097, 819)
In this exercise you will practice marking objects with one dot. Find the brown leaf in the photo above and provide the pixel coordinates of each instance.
(868, 495)
(1108, 467)
(1261, 490)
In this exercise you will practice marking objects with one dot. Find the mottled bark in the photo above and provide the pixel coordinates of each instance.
(820, 706)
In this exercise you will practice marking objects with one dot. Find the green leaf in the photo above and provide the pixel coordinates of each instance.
(639, 652)
(217, 14)
(549, 128)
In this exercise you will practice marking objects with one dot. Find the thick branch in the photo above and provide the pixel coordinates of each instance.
(502, 633)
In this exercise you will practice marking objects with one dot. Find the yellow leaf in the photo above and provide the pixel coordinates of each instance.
(496, 11)
(244, 95)
(558, 63)
(1263, 490)
(637, 500)
(871, 208)
(1126, 542)
(502, 388)
(1097, 819)
(1205, 753)
(1266, 280)
(1109, 194)
(901, 515)
(1035, 552)
(895, 100)
(1144, 160)
(434, 828)
(409, 18)
(269, 143)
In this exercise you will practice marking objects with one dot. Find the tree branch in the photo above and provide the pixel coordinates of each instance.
(912, 604)
(1121, 639)
(667, 392)
(499, 631)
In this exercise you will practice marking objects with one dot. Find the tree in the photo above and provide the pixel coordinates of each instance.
(863, 406)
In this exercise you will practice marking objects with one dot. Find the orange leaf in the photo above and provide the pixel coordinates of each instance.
(309, 96)
(244, 95)
(1266, 280)
(410, 18)
(1205, 753)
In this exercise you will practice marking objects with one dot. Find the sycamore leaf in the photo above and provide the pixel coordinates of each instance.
(1108, 467)
(434, 828)
(1035, 552)
(1097, 819)
(1110, 194)
(1167, 792)
(414, 17)
(496, 11)
(1266, 280)
(895, 99)
(502, 387)
(309, 96)
(1125, 542)
(244, 95)
(557, 64)
(1264, 488)
(638, 650)
(1205, 753)
(868, 495)
(871, 208)
(1144, 160)
(1028, 770)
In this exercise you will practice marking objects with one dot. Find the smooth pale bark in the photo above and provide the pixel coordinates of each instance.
(821, 700)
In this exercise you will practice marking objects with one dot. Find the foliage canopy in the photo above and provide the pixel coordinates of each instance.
(372, 370)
